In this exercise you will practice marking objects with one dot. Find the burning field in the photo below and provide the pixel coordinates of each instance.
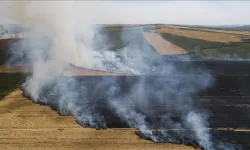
(25, 125)
(111, 88)
(116, 111)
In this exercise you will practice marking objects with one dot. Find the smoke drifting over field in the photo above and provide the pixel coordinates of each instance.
(166, 93)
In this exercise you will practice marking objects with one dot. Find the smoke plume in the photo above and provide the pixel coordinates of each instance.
(159, 100)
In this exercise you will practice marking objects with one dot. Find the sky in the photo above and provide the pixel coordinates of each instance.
(177, 12)
(166, 12)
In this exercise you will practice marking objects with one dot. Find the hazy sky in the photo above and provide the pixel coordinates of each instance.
(179, 12)
(169, 12)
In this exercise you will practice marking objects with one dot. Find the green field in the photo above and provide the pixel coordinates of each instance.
(192, 44)
(209, 49)
(217, 31)
(239, 28)
(3, 56)
(3, 51)
(236, 52)
(195, 47)
(10, 82)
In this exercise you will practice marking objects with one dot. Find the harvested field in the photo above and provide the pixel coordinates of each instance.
(206, 29)
(162, 46)
(15, 69)
(203, 35)
(236, 52)
(192, 44)
(25, 125)
(227, 99)
(70, 70)
(243, 33)
(25, 121)
(77, 71)
(11, 36)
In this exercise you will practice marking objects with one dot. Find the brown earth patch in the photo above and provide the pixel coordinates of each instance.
(161, 45)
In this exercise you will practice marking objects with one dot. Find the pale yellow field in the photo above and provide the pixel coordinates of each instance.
(27, 126)
(219, 31)
(247, 33)
(203, 35)
(161, 45)
(70, 70)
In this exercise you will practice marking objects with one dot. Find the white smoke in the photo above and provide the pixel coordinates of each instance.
(198, 125)
(69, 28)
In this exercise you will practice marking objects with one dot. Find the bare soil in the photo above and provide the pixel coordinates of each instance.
(161, 45)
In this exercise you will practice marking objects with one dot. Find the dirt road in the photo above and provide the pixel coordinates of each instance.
(25, 125)
(161, 45)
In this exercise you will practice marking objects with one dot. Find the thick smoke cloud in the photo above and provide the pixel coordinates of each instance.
(161, 98)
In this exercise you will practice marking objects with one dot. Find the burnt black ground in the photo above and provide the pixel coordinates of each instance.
(230, 87)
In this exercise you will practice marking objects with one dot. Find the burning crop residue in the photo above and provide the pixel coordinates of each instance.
(160, 98)
(140, 102)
